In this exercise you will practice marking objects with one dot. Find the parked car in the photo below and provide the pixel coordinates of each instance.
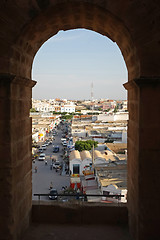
(56, 165)
(40, 150)
(56, 149)
(64, 144)
(34, 156)
(47, 143)
(53, 194)
(44, 147)
(42, 157)
(35, 145)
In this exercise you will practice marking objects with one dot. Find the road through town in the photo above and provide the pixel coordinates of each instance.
(42, 179)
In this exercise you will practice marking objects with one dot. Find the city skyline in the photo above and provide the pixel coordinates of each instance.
(69, 62)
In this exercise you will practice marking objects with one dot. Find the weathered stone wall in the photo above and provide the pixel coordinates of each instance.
(134, 25)
(15, 155)
(143, 157)
(81, 213)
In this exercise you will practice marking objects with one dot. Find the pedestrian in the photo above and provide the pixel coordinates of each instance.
(35, 169)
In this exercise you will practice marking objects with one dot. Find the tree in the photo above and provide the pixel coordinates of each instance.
(85, 145)
(63, 113)
(70, 116)
(55, 112)
(33, 110)
(116, 109)
(107, 110)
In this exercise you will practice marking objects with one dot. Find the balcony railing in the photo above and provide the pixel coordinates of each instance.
(78, 196)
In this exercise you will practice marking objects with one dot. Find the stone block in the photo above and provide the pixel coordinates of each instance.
(22, 188)
(6, 156)
(5, 109)
(19, 109)
(21, 170)
(133, 132)
(20, 129)
(149, 137)
(79, 214)
(148, 220)
(133, 108)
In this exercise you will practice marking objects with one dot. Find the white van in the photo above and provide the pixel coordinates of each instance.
(42, 157)
(44, 147)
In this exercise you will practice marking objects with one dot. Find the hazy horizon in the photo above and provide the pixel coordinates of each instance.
(67, 64)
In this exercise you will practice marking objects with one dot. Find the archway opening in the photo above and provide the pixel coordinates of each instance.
(87, 69)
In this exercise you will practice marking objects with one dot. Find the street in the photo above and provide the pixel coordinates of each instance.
(42, 179)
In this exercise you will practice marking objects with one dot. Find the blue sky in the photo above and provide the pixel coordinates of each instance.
(67, 64)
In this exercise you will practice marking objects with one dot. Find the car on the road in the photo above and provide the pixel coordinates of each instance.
(44, 147)
(53, 194)
(56, 165)
(34, 156)
(35, 145)
(40, 150)
(47, 143)
(42, 157)
(63, 140)
(56, 149)
(64, 144)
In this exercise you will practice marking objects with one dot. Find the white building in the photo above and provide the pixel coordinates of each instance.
(79, 132)
(86, 159)
(112, 189)
(75, 162)
(69, 108)
(99, 158)
(120, 116)
(35, 137)
(43, 106)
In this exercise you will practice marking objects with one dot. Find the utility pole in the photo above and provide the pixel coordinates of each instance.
(92, 98)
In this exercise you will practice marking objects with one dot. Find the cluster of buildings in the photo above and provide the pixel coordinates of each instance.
(42, 124)
(52, 105)
(100, 172)
(102, 105)
(100, 131)
(104, 170)
(83, 107)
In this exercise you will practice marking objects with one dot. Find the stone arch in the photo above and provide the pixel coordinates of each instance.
(134, 25)
(71, 16)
